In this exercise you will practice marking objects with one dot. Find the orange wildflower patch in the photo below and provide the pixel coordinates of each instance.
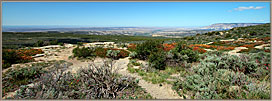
(20, 55)
(131, 46)
(200, 50)
(252, 45)
(202, 45)
(212, 47)
(29, 52)
(168, 47)
(248, 46)
(263, 39)
(123, 53)
(26, 54)
(224, 48)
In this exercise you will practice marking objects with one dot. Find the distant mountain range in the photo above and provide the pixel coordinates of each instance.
(226, 26)
(213, 27)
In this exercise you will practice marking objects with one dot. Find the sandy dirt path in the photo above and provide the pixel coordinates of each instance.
(155, 90)
(236, 50)
(262, 46)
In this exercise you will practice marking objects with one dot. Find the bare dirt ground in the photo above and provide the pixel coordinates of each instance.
(262, 46)
(155, 90)
(236, 50)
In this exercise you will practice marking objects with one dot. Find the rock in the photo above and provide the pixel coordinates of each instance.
(38, 55)
(240, 39)
(221, 33)
(209, 43)
(228, 40)
(240, 48)
(136, 67)
(68, 45)
(209, 50)
(30, 85)
(51, 46)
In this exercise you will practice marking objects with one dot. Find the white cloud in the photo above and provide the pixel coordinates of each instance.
(248, 8)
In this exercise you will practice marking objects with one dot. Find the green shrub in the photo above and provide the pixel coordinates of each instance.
(209, 83)
(53, 42)
(228, 36)
(13, 56)
(145, 49)
(79, 43)
(134, 62)
(83, 52)
(238, 64)
(121, 45)
(92, 83)
(263, 61)
(133, 54)
(101, 52)
(113, 53)
(224, 77)
(14, 78)
(56, 42)
(257, 91)
(209, 33)
(61, 44)
(183, 53)
(157, 60)
(254, 64)
(39, 43)
(9, 57)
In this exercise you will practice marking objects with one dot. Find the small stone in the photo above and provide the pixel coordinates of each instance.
(136, 67)
(38, 55)
(221, 33)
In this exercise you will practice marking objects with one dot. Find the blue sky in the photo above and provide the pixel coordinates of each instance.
(152, 14)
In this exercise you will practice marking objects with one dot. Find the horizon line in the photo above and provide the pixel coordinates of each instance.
(138, 26)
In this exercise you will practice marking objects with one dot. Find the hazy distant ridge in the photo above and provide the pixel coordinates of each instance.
(226, 26)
